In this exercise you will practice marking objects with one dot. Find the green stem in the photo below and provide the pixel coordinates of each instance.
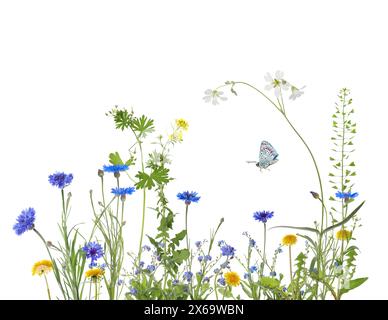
(187, 234)
(47, 286)
(290, 261)
(144, 200)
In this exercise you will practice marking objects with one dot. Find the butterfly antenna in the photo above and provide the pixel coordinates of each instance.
(251, 161)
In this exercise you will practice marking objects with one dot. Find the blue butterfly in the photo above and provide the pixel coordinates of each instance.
(267, 157)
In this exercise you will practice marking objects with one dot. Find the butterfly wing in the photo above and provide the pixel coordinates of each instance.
(267, 156)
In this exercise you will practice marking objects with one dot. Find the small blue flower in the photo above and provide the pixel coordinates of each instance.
(93, 251)
(115, 168)
(206, 279)
(198, 244)
(301, 292)
(141, 264)
(246, 275)
(221, 243)
(161, 244)
(253, 269)
(188, 197)
(200, 258)
(263, 216)
(120, 282)
(133, 291)
(60, 179)
(252, 242)
(187, 276)
(284, 289)
(228, 250)
(279, 250)
(123, 191)
(225, 264)
(221, 281)
(175, 282)
(102, 266)
(25, 221)
(151, 268)
(208, 258)
(146, 248)
(272, 274)
(137, 271)
(199, 273)
(216, 270)
(346, 195)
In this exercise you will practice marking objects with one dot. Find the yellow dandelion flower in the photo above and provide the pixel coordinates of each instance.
(289, 240)
(182, 123)
(232, 278)
(94, 273)
(343, 234)
(42, 267)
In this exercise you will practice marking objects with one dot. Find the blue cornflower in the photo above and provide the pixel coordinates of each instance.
(115, 168)
(60, 179)
(175, 282)
(93, 251)
(221, 281)
(207, 258)
(200, 258)
(151, 268)
(146, 248)
(188, 197)
(133, 291)
(346, 195)
(228, 250)
(188, 275)
(198, 244)
(272, 274)
(252, 242)
(253, 269)
(263, 216)
(25, 221)
(123, 191)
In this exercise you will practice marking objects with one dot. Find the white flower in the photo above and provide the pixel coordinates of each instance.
(295, 92)
(277, 83)
(213, 96)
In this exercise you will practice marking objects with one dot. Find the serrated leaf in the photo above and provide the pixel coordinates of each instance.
(158, 176)
(142, 125)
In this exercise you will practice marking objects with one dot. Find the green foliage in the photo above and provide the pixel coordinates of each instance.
(115, 159)
(158, 176)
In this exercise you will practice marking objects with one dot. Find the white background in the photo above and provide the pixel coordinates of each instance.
(63, 64)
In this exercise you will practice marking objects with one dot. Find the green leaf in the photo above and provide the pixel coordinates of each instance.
(297, 228)
(178, 237)
(180, 255)
(350, 216)
(352, 164)
(353, 284)
(142, 125)
(115, 159)
(122, 119)
(158, 176)
(270, 283)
